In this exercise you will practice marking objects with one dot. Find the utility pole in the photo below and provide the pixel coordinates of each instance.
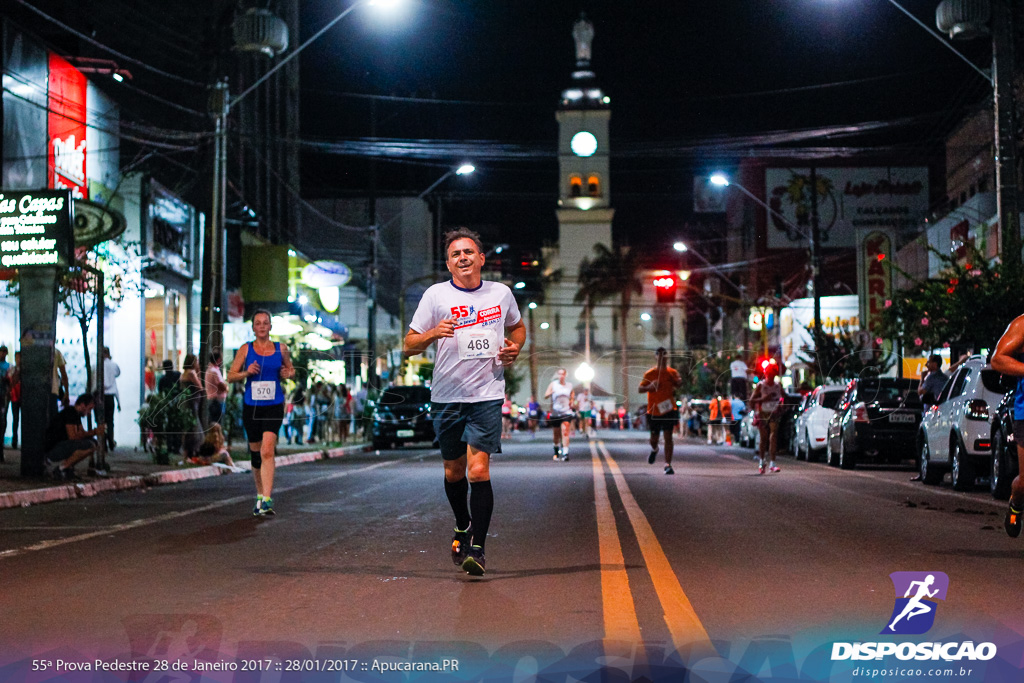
(815, 257)
(371, 289)
(212, 302)
(1005, 133)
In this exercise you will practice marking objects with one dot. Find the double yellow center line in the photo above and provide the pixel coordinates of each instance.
(620, 618)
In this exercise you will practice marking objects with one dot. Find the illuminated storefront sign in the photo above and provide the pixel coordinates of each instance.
(35, 228)
(878, 281)
(65, 158)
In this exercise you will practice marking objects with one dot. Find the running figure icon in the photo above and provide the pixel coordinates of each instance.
(915, 606)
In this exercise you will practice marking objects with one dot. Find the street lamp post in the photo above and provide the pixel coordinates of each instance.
(464, 169)
(220, 106)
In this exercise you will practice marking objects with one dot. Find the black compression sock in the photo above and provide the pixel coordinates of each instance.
(456, 492)
(481, 502)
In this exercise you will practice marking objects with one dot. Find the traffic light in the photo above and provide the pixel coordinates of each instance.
(766, 365)
(665, 289)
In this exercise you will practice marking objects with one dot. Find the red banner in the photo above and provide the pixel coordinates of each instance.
(66, 128)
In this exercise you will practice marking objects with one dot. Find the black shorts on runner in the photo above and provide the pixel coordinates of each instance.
(1018, 432)
(260, 419)
(457, 425)
(663, 423)
(559, 420)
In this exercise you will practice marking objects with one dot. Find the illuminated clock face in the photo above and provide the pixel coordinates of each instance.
(583, 144)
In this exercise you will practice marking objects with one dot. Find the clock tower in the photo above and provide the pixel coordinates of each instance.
(584, 213)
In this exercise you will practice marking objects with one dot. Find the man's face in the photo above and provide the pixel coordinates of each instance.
(85, 408)
(932, 366)
(464, 259)
(561, 375)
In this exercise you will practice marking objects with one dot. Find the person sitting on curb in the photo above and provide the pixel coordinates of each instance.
(67, 442)
(213, 450)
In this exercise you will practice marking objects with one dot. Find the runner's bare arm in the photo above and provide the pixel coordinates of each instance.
(514, 341)
(287, 369)
(416, 342)
(1010, 344)
(646, 386)
(236, 373)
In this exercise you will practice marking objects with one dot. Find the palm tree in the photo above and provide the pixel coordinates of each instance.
(534, 291)
(612, 272)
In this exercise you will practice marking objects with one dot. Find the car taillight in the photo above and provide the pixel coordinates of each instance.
(977, 410)
(860, 413)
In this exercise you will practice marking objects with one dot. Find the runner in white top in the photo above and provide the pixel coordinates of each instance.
(586, 408)
(562, 397)
(479, 331)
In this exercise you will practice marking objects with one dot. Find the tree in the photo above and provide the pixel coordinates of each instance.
(612, 273)
(969, 303)
(77, 287)
(841, 356)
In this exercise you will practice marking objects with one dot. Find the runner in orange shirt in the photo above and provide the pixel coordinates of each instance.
(660, 384)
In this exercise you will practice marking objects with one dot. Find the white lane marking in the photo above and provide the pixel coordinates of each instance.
(138, 523)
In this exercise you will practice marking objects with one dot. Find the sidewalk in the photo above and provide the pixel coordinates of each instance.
(130, 468)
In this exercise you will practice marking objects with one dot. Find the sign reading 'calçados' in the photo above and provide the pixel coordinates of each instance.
(35, 228)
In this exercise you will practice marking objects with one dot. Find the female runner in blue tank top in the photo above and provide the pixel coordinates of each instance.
(1008, 359)
(262, 364)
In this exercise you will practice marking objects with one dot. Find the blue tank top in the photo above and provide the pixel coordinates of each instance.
(1018, 396)
(269, 374)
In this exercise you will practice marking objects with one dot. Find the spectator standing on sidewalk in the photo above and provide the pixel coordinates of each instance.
(191, 395)
(111, 397)
(58, 383)
(169, 379)
(14, 378)
(216, 388)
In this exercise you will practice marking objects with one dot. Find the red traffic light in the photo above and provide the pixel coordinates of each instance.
(665, 289)
(768, 365)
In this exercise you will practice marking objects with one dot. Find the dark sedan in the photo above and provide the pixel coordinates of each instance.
(402, 415)
(876, 421)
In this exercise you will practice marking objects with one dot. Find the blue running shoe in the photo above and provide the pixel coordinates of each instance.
(256, 507)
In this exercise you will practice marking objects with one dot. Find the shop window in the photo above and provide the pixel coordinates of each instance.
(575, 186)
(594, 186)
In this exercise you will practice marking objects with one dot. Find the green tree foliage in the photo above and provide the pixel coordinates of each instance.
(969, 303)
(612, 273)
(841, 356)
(704, 374)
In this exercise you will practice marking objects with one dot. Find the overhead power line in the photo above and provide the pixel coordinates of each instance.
(93, 41)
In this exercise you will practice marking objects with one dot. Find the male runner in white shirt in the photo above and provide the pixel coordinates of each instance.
(478, 330)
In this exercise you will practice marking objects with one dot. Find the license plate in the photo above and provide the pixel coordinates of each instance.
(405, 433)
(901, 417)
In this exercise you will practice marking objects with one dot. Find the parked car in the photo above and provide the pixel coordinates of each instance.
(811, 427)
(792, 404)
(876, 420)
(956, 432)
(402, 415)
(1005, 465)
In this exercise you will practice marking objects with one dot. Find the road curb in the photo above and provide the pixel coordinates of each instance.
(52, 494)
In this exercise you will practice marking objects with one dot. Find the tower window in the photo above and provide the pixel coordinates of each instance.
(575, 186)
(594, 186)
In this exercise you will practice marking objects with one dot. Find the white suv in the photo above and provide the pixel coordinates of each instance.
(811, 429)
(956, 432)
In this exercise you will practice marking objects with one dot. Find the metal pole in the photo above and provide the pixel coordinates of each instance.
(815, 258)
(214, 240)
(101, 362)
(1005, 133)
(371, 330)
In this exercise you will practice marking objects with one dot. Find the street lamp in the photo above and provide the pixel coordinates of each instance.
(220, 105)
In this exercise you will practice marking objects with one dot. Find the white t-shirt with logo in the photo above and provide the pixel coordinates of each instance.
(738, 368)
(466, 368)
(561, 395)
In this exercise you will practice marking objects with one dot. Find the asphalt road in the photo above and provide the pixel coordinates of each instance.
(596, 563)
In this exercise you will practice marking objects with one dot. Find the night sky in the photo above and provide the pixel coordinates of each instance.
(680, 74)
